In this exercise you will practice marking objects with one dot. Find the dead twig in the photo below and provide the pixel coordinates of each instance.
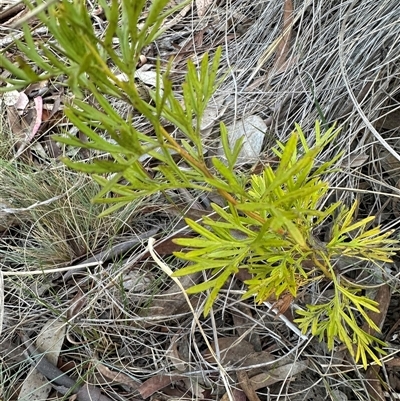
(59, 380)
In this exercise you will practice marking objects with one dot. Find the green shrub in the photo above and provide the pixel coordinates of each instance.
(268, 221)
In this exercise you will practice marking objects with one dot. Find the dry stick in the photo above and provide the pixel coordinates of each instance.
(286, 321)
(81, 266)
(33, 13)
(60, 380)
(116, 250)
(11, 11)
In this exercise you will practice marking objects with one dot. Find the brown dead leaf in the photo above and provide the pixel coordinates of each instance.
(389, 121)
(168, 246)
(383, 298)
(17, 125)
(258, 359)
(238, 395)
(156, 383)
(373, 384)
(393, 363)
(246, 385)
(77, 304)
(25, 128)
(282, 304)
(355, 160)
(38, 120)
(116, 377)
(91, 393)
(283, 46)
(231, 349)
(280, 373)
(174, 356)
(171, 302)
(49, 341)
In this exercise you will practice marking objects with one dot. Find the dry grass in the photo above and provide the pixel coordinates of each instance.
(341, 65)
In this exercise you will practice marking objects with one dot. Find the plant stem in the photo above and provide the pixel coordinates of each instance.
(321, 266)
(203, 168)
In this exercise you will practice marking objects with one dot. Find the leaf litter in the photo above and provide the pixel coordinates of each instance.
(288, 62)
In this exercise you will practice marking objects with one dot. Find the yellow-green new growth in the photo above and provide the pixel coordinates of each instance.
(276, 245)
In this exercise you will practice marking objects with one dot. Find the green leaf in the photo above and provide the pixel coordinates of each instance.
(230, 154)
(219, 282)
(289, 154)
(357, 225)
(202, 287)
(96, 167)
(195, 268)
(201, 230)
(235, 185)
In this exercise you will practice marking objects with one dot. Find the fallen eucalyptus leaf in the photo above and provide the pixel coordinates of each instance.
(281, 373)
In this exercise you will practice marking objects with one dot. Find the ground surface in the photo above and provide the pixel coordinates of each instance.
(112, 318)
